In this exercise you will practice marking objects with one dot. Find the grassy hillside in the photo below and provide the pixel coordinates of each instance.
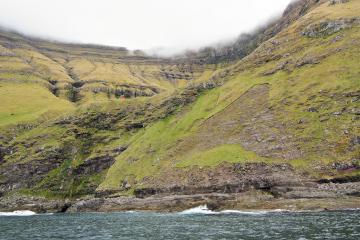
(86, 74)
(27, 102)
(78, 119)
(294, 100)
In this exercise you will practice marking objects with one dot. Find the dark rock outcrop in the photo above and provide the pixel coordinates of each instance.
(3, 152)
(94, 165)
(36, 204)
(25, 175)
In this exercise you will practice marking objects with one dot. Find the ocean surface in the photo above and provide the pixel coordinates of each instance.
(197, 223)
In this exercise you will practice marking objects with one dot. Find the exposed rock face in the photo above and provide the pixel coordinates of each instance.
(226, 178)
(248, 121)
(246, 43)
(327, 28)
(3, 151)
(94, 165)
(309, 196)
(334, 2)
(24, 175)
(36, 204)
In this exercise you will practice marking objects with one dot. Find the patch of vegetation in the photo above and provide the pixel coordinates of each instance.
(225, 153)
(27, 102)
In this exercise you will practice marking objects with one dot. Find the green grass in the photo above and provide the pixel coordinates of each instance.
(45, 138)
(18, 77)
(225, 153)
(180, 142)
(27, 102)
(158, 147)
(152, 144)
(155, 147)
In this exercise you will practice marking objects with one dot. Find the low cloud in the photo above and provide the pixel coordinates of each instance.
(159, 26)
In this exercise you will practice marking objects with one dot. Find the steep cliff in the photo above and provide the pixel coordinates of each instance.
(273, 117)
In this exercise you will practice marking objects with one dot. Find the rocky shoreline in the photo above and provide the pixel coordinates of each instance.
(309, 197)
(181, 203)
(232, 187)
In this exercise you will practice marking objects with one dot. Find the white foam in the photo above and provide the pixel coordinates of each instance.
(204, 210)
(352, 209)
(199, 210)
(18, 213)
(131, 211)
(244, 212)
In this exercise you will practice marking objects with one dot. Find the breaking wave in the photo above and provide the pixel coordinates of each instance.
(18, 213)
(203, 209)
(244, 212)
(199, 210)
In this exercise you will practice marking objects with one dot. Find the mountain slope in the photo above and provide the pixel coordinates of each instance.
(280, 123)
(283, 103)
(86, 74)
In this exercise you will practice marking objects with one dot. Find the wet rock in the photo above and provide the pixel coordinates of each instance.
(156, 203)
(36, 204)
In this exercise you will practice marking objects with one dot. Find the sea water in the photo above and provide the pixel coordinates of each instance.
(196, 223)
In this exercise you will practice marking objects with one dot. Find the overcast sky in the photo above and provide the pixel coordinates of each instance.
(138, 24)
